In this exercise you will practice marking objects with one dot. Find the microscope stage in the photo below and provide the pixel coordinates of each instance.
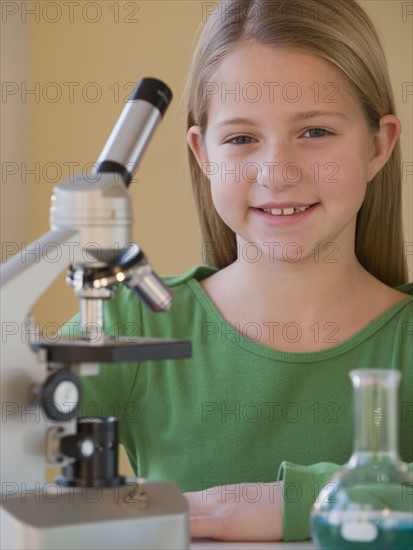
(69, 350)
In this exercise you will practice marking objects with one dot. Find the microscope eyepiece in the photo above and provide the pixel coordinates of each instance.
(134, 128)
(154, 91)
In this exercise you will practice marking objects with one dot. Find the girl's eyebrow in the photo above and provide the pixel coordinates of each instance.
(235, 122)
(314, 114)
(306, 115)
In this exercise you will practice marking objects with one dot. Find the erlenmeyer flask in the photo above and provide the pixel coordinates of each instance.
(369, 504)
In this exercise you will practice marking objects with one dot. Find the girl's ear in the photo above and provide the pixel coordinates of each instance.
(383, 143)
(197, 145)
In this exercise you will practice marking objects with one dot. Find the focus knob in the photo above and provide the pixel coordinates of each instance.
(60, 396)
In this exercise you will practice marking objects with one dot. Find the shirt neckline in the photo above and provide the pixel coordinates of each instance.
(288, 356)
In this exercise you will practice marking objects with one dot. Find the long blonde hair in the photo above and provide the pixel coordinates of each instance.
(342, 33)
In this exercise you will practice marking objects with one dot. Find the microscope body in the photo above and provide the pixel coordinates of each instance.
(91, 222)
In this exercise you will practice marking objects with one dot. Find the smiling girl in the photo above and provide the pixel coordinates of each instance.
(295, 163)
(285, 205)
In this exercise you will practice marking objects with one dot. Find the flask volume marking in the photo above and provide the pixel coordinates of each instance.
(378, 415)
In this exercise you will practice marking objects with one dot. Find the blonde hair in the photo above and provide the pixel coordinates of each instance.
(340, 32)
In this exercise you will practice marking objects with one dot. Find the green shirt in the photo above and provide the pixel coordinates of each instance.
(237, 411)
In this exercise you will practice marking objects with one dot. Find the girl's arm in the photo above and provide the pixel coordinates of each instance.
(221, 513)
(282, 513)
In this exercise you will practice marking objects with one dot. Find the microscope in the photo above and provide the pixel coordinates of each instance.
(89, 505)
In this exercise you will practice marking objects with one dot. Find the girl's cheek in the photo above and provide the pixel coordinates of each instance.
(223, 200)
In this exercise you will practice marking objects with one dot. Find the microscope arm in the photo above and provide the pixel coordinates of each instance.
(24, 278)
(30, 272)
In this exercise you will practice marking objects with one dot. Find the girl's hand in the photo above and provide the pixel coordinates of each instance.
(240, 512)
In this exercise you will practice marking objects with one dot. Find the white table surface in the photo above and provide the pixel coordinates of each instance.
(208, 544)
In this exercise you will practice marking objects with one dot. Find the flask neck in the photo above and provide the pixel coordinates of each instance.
(375, 416)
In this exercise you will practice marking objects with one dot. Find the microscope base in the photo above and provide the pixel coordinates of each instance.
(56, 518)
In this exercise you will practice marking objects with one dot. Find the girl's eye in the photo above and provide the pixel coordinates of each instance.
(240, 140)
(317, 133)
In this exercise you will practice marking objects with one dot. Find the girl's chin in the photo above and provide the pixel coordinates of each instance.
(289, 251)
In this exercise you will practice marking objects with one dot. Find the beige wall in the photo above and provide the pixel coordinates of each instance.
(67, 53)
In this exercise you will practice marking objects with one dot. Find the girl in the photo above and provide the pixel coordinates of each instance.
(295, 164)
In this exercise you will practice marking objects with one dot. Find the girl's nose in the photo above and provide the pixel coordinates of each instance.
(279, 171)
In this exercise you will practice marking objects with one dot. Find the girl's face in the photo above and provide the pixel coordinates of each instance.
(287, 151)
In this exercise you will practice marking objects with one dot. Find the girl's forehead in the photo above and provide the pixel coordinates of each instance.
(249, 59)
(257, 74)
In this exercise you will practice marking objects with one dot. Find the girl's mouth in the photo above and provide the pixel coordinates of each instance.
(288, 211)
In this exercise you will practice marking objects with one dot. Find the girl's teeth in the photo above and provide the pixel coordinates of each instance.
(285, 211)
